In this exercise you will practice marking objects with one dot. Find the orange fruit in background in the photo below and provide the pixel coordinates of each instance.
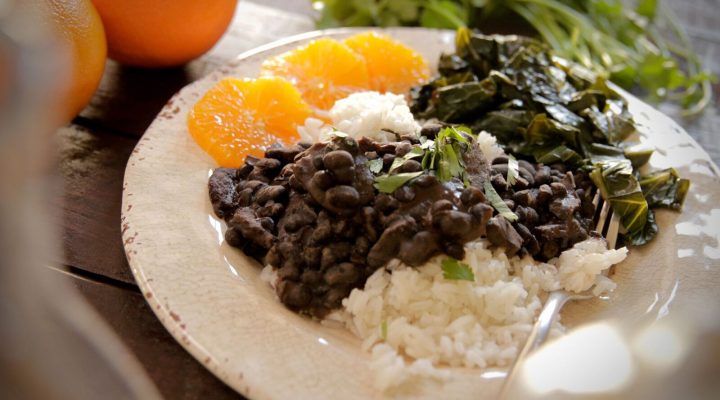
(392, 66)
(240, 117)
(80, 29)
(163, 33)
(324, 70)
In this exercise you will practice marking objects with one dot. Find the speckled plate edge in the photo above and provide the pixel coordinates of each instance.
(148, 217)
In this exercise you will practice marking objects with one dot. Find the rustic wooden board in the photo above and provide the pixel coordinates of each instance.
(175, 372)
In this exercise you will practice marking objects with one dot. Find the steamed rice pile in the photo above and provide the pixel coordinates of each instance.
(414, 321)
(377, 116)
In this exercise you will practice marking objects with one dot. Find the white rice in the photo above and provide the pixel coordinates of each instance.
(432, 323)
(377, 116)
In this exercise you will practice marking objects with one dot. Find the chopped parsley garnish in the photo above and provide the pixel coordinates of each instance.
(375, 165)
(457, 271)
(416, 151)
(498, 203)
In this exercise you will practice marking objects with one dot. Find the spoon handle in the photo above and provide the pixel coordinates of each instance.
(539, 333)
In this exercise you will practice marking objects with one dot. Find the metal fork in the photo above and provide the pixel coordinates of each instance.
(607, 224)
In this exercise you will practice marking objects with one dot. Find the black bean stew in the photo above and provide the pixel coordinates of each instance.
(313, 214)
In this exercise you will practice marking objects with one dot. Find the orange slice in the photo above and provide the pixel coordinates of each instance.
(240, 117)
(324, 71)
(392, 66)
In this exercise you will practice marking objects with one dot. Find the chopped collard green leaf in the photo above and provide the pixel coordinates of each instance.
(645, 234)
(388, 183)
(457, 271)
(544, 108)
(621, 189)
(665, 188)
(513, 170)
(498, 203)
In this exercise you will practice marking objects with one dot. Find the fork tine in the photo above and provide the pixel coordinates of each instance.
(613, 230)
(602, 219)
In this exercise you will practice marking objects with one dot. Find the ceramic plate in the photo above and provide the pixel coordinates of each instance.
(210, 296)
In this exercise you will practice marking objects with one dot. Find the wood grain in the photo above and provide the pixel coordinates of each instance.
(175, 372)
(91, 164)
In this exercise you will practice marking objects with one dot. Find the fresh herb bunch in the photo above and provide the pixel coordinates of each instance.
(641, 48)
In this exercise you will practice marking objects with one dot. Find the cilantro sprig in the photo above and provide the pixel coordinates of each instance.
(498, 203)
(442, 155)
(457, 271)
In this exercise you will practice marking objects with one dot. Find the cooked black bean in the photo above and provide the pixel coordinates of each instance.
(424, 181)
(388, 160)
(471, 196)
(267, 193)
(453, 223)
(343, 196)
(402, 148)
(285, 154)
(558, 189)
(385, 203)
(498, 182)
(410, 166)
(524, 197)
(545, 194)
(404, 193)
(344, 273)
(338, 159)
(527, 215)
(501, 233)
(294, 294)
(430, 129)
(418, 249)
(528, 167)
(500, 160)
(441, 205)
(344, 176)
(564, 207)
(550, 249)
(542, 175)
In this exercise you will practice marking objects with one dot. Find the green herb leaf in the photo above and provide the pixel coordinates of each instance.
(389, 183)
(375, 165)
(383, 329)
(498, 203)
(513, 170)
(416, 151)
(457, 271)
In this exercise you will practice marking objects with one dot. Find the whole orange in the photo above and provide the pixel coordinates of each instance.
(79, 27)
(163, 33)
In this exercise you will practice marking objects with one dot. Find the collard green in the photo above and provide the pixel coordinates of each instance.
(549, 110)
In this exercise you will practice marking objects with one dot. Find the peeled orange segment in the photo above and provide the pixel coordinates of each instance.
(241, 117)
(392, 66)
(324, 70)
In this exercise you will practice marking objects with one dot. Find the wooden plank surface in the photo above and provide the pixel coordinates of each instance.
(173, 370)
(95, 148)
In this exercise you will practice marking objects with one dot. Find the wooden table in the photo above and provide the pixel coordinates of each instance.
(95, 147)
